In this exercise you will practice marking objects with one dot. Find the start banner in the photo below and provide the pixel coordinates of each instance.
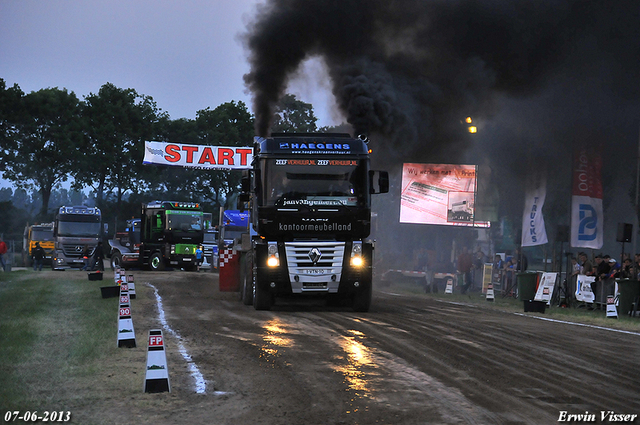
(198, 156)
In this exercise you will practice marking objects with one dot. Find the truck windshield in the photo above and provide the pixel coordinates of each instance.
(184, 221)
(42, 234)
(78, 229)
(314, 182)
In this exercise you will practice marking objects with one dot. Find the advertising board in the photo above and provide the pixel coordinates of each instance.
(439, 194)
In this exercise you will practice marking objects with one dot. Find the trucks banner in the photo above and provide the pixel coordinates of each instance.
(198, 156)
(533, 229)
(439, 194)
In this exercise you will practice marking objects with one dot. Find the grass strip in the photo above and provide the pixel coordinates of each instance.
(54, 330)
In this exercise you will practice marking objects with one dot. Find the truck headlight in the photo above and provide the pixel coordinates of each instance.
(274, 259)
(356, 255)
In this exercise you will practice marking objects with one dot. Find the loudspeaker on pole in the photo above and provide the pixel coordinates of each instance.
(562, 233)
(625, 232)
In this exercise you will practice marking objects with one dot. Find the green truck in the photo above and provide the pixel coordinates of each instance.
(167, 235)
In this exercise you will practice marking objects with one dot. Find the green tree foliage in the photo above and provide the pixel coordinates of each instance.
(10, 110)
(43, 136)
(230, 124)
(49, 136)
(293, 116)
(116, 124)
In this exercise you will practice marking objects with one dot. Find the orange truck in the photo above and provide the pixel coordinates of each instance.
(42, 233)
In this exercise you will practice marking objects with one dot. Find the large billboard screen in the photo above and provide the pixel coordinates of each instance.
(439, 194)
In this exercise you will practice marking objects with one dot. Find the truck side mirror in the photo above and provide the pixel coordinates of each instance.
(245, 182)
(382, 182)
(106, 228)
(243, 198)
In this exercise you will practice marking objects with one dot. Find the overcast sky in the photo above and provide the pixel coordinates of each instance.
(185, 54)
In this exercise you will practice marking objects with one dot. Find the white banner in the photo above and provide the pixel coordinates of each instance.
(198, 156)
(587, 219)
(583, 288)
(587, 222)
(546, 286)
(533, 230)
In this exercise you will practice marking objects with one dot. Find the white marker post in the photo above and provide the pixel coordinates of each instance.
(157, 375)
(126, 333)
(490, 295)
(612, 311)
(449, 288)
(132, 286)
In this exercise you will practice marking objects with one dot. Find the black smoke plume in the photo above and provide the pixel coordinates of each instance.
(409, 71)
(541, 76)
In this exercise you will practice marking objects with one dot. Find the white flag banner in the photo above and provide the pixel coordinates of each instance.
(587, 221)
(533, 230)
(198, 156)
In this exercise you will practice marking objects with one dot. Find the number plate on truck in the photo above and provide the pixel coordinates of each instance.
(313, 271)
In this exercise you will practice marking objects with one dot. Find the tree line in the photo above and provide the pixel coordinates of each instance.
(49, 137)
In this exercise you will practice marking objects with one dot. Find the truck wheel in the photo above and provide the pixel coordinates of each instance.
(156, 262)
(362, 297)
(261, 295)
(246, 280)
(116, 260)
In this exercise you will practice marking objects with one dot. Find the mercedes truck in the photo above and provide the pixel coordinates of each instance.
(74, 228)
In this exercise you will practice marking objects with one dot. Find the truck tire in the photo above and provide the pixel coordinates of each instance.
(261, 294)
(246, 279)
(362, 297)
(116, 260)
(156, 262)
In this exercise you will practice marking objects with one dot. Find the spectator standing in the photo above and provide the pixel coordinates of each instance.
(465, 264)
(86, 256)
(3, 250)
(38, 257)
(498, 264)
(614, 269)
(478, 266)
(586, 267)
(198, 257)
(98, 256)
(627, 269)
(575, 267)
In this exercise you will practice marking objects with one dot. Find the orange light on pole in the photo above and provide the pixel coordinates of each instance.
(471, 128)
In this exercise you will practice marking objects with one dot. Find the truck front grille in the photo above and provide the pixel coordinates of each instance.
(73, 250)
(314, 266)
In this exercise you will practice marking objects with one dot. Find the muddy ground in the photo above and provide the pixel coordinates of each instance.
(410, 360)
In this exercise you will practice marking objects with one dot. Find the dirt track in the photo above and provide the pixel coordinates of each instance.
(407, 361)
